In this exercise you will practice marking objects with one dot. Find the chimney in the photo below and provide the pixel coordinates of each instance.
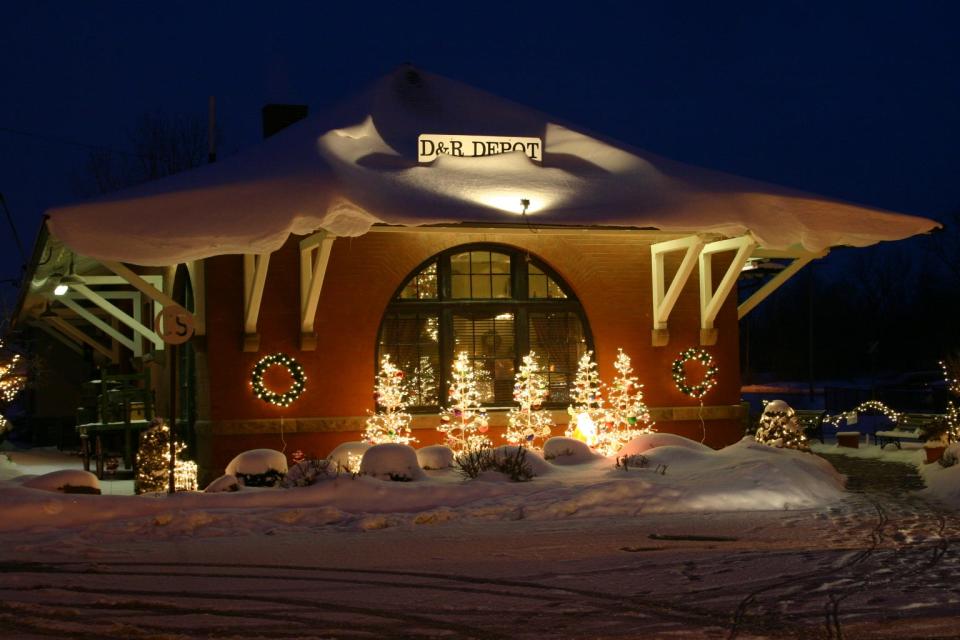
(280, 116)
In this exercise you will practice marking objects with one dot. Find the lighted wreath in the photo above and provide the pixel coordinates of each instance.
(293, 367)
(680, 374)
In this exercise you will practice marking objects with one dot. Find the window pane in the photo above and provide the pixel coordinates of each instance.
(542, 286)
(481, 287)
(413, 345)
(460, 286)
(489, 340)
(422, 286)
(499, 263)
(460, 263)
(558, 340)
(480, 261)
(501, 286)
(538, 286)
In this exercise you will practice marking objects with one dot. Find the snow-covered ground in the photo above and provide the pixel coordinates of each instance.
(745, 542)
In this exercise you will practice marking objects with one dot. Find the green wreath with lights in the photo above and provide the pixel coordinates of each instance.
(295, 370)
(680, 374)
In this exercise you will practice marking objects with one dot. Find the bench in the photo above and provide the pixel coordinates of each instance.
(911, 427)
(811, 420)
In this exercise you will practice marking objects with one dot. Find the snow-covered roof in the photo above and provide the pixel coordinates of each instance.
(355, 165)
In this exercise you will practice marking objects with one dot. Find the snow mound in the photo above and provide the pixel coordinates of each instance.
(343, 453)
(257, 461)
(649, 441)
(66, 481)
(943, 483)
(562, 450)
(435, 456)
(391, 461)
(674, 455)
(223, 484)
(537, 464)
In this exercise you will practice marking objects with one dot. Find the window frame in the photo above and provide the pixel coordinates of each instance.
(445, 306)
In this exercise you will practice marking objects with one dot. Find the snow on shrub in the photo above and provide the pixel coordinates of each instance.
(66, 481)
(534, 460)
(347, 455)
(391, 461)
(258, 467)
(649, 441)
(436, 456)
(309, 472)
(563, 450)
(223, 484)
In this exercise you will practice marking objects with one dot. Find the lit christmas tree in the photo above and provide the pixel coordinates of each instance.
(392, 424)
(627, 415)
(12, 381)
(153, 458)
(463, 420)
(951, 376)
(780, 427)
(586, 410)
(528, 422)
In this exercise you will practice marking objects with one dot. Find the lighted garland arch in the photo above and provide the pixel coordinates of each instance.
(295, 370)
(680, 375)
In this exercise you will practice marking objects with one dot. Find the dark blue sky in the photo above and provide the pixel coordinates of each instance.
(859, 101)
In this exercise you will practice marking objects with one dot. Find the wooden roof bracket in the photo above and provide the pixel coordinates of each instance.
(710, 300)
(314, 257)
(254, 278)
(665, 298)
(800, 260)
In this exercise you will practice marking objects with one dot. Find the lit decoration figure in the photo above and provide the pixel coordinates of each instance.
(780, 427)
(586, 409)
(867, 405)
(295, 370)
(185, 475)
(627, 416)
(391, 423)
(528, 423)
(463, 421)
(153, 458)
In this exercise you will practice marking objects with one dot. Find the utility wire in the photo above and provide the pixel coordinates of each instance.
(13, 228)
(66, 141)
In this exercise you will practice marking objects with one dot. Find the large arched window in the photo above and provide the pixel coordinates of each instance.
(497, 304)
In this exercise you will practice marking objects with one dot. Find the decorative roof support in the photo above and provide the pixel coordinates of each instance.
(314, 256)
(73, 332)
(254, 279)
(800, 260)
(138, 282)
(197, 271)
(665, 298)
(119, 313)
(63, 339)
(99, 324)
(710, 300)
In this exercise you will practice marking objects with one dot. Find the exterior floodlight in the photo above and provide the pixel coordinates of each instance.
(525, 203)
(71, 280)
(60, 289)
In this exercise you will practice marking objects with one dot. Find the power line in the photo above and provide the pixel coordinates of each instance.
(13, 228)
(65, 141)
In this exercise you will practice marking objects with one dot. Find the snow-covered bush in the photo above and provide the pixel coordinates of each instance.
(951, 455)
(66, 481)
(391, 461)
(780, 427)
(516, 462)
(347, 456)
(224, 484)
(648, 441)
(310, 472)
(258, 467)
(435, 456)
(563, 450)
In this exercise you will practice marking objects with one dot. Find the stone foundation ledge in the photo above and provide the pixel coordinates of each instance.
(498, 418)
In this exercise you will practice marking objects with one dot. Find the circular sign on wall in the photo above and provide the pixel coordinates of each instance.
(174, 324)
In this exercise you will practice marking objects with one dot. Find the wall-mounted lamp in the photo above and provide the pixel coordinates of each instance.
(525, 203)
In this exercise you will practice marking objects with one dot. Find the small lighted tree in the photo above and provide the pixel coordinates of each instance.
(780, 427)
(951, 376)
(463, 421)
(13, 379)
(528, 422)
(391, 423)
(586, 395)
(153, 458)
(627, 416)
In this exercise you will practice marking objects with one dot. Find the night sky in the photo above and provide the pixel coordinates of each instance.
(859, 101)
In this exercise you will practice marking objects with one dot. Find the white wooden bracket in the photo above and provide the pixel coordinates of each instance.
(198, 280)
(664, 298)
(314, 256)
(63, 339)
(75, 333)
(119, 314)
(800, 260)
(710, 300)
(254, 279)
(97, 322)
(139, 283)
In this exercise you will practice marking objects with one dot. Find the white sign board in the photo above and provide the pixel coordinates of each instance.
(432, 145)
